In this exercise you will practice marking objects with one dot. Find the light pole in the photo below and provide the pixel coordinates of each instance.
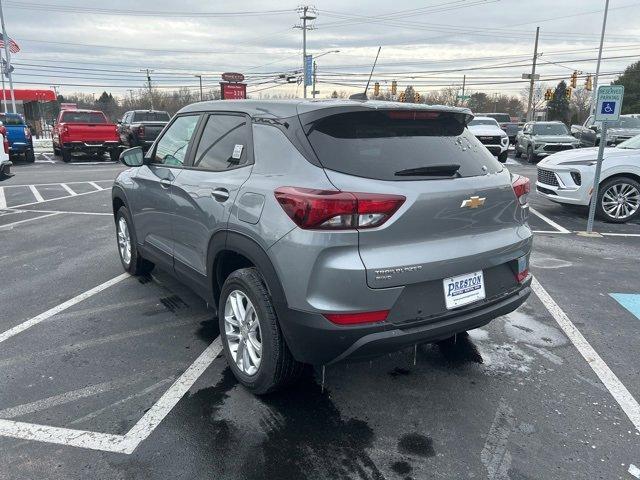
(200, 78)
(315, 67)
(595, 81)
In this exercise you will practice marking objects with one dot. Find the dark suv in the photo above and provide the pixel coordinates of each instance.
(327, 230)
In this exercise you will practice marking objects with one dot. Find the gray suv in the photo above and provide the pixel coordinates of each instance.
(326, 230)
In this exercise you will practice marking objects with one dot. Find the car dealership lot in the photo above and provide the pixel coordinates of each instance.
(127, 372)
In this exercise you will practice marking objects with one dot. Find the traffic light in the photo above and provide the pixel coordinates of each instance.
(394, 87)
(588, 84)
(376, 89)
(417, 98)
(574, 79)
(402, 97)
(548, 95)
(568, 92)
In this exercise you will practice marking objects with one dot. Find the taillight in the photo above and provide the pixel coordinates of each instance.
(141, 131)
(5, 143)
(335, 210)
(355, 318)
(521, 187)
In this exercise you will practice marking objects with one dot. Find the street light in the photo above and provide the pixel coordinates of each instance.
(200, 78)
(315, 67)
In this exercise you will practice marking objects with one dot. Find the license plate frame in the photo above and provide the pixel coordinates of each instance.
(461, 290)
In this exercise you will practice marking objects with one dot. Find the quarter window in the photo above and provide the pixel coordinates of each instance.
(172, 147)
(223, 144)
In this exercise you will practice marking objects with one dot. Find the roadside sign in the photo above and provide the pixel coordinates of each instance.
(233, 91)
(308, 70)
(527, 76)
(609, 102)
(464, 97)
(232, 77)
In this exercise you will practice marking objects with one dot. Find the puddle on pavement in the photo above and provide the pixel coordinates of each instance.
(298, 433)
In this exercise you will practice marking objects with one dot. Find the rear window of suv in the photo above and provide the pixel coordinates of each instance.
(379, 144)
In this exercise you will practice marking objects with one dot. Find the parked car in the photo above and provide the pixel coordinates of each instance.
(567, 178)
(504, 120)
(326, 230)
(617, 131)
(540, 139)
(85, 131)
(491, 136)
(5, 160)
(19, 136)
(139, 128)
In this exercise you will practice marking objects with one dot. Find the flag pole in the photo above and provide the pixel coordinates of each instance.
(6, 41)
(4, 92)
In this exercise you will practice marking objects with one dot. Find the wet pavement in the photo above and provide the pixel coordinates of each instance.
(512, 400)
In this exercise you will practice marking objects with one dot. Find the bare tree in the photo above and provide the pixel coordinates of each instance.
(580, 103)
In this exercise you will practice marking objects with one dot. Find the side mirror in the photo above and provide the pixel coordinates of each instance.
(132, 157)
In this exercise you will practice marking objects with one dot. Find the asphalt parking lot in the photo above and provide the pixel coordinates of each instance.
(107, 376)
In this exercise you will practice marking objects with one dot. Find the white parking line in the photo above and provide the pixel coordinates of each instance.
(11, 225)
(58, 198)
(60, 308)
(95, 185)
(3, 200)
(621, 234)
(66, 187)
(64, 211)
(617, 389)
(36, 193)
(560, 228)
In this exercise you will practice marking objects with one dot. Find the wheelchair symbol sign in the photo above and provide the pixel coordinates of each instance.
(608, 108)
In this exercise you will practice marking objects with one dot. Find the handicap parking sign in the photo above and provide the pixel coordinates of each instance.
(609, 102)
(608, 108)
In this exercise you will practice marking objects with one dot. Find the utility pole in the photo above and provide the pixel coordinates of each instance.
(464, 84)
(533, 74)
(306, 14)
(595, 81)
(149, 72)
(55, 90)
(200, 78)
(6, 40)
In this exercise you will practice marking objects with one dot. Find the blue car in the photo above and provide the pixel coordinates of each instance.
(18, 135)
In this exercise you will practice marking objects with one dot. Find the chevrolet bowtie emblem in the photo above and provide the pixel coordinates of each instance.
(473, 202)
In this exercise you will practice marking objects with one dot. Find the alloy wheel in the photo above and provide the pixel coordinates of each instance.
(242, 331)
(621, 200)
(124, 241)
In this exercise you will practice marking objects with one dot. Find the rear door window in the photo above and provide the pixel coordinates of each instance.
(379, 144)
(223, 144)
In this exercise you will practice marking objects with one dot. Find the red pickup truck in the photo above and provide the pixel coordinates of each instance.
(85, 131)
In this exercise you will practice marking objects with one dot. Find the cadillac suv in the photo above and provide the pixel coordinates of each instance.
(326, 230)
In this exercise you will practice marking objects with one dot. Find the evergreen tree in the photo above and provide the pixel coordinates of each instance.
(631, 81)
(558, 107)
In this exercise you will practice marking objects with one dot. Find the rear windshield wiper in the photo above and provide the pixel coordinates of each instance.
(448, 170)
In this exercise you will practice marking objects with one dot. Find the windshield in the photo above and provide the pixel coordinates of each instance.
(500, 117)
(11, 120)
(83, 117)
(633, 143)
(550, 129)
(151, 117)
(484, 121)
(379, 144)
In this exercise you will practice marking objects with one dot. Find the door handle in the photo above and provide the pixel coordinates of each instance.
(220, 194)
(165, 183)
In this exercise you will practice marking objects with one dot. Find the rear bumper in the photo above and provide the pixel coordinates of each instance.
(313, 339)
(91, 146)
(20, 147)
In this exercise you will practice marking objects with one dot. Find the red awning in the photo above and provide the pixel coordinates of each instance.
(30, 95)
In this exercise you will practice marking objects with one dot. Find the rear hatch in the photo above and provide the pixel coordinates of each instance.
(430, 158)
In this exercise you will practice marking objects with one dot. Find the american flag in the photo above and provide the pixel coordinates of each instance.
(13, 46)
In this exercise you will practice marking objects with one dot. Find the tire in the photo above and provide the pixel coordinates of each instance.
(276, 367)
(502, 157)
(56, 151)
(628, 190)
(531, 157)
(5, 171)
(30, 156)
(114, 155)
(136, 265)
(66, 155)
(518, 152)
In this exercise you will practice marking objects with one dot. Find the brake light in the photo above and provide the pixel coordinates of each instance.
(5, 142)
(412, 115)
(336, 210)
(521, 187)
(141, 131)
(356, 318)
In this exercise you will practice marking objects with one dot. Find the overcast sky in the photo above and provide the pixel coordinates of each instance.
(92, 46)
